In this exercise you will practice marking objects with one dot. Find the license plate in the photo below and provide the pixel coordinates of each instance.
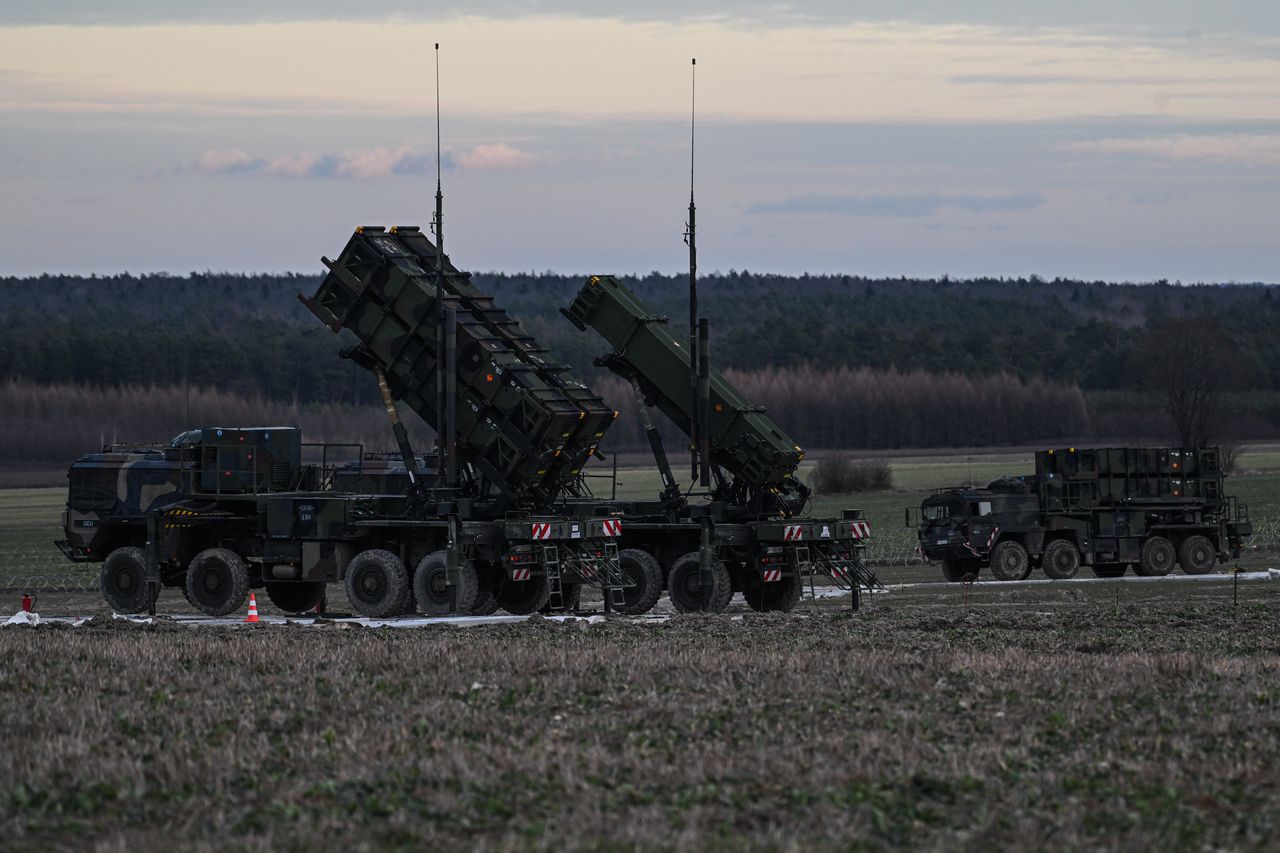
(942, 542)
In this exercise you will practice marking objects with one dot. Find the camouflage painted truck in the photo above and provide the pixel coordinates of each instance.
(748, 532)
(221, 511)
(1107, 508)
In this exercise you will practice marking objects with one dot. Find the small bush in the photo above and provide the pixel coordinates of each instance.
(840, 474)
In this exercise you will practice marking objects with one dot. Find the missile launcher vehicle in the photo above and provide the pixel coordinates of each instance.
(746, 533)
(1107, 508)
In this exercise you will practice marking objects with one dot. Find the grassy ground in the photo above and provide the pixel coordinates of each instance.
(1059, 722)
(1113, 715)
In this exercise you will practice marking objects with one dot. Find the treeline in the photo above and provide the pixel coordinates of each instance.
(248, 333)
(885, 409)
(51, 425)
(864, 408)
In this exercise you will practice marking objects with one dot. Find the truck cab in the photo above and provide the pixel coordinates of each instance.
(959, 527)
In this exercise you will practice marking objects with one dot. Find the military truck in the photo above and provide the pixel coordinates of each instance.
(1106, 508)
(747, 533)
(221, 511)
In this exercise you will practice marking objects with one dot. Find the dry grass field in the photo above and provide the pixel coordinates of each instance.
(1056, 721)
(1113, 715)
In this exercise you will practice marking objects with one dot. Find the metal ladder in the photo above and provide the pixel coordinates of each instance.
(551, 563)
(612, 580)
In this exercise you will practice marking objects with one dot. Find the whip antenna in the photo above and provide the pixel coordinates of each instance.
(691, 239)
(437, 226)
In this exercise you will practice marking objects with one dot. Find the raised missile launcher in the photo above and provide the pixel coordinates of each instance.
(747, 535)
(523, 423)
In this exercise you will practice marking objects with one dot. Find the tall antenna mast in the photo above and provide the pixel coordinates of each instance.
(437, 226)
(691, 239)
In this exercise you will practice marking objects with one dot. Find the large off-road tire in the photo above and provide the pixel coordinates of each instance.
(124, 580)
(644, 581)
(377, 584)
(570, 599)
(524, 597)
(295, 596)
(1197, 555)
(1109, 570)
(1009, 561)
(780, 595)
(486, 603)
(1061, 560)
(685, 588)
(1158, 557)
(955, 571)
(217, 582)
(431, 585)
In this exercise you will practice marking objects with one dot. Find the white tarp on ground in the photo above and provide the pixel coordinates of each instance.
(1268, 574)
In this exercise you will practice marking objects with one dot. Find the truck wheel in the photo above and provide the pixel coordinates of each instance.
(643, 581)
(295, 596)
(782, 595)
(685, 587)
(1009, 561)
(1061, 560)
(956, 571)
(376, 583)
(570, 599)
(431, 585)
(1158, 557)
(524, 597)
(1109, 570)
(486, 602)
(1197, 555)
(217, 582)
(124, 580)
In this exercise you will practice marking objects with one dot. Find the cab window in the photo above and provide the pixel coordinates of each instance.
(93, 489)
(937, 512)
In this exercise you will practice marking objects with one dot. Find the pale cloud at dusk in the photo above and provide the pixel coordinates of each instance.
(969, 138)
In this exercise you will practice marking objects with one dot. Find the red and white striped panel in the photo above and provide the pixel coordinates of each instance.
(840, 570)
(772, 575)
(613, 527)
(793, 533)
(521, 574)
(860, 529)
(542, 530)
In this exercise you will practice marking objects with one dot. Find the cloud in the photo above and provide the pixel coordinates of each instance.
(362, 165)
(1255, 149)
(486, 158)
(906, 205)
(228, 162)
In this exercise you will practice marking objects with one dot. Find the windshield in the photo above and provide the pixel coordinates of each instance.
(937, 512)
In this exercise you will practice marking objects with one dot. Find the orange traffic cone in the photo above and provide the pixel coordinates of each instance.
(253, 609)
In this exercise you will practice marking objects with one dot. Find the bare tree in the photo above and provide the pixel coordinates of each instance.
(1192, 364)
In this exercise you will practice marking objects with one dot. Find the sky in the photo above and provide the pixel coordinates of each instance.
(1120, 141)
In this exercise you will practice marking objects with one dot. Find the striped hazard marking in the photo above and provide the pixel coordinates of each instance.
(521, 574)
(613, 527)
(793, 533)
(860, 529)
(542, 530)
(772, 575)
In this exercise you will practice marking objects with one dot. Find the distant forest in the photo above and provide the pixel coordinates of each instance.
(840, 360)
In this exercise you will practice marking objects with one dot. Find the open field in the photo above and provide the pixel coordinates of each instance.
(1120, 716)
(1116, 714)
